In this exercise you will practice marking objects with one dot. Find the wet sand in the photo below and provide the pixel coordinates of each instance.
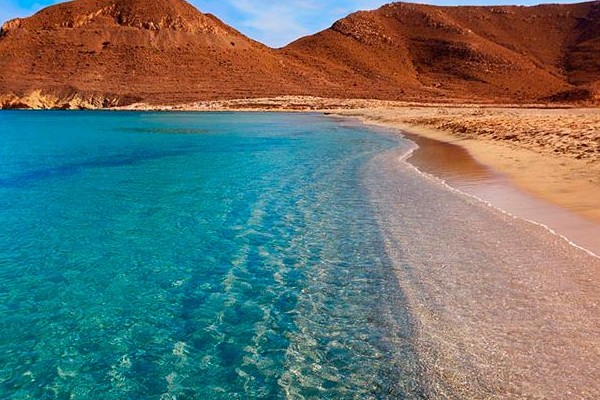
(456, 166)
(553, 154)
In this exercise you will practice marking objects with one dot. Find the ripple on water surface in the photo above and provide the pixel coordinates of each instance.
(194, 256)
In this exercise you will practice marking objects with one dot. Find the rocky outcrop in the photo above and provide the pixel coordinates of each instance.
(64, 100)
(176, 15)
(10, 25)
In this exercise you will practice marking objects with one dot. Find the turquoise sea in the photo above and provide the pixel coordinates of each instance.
(196, 256)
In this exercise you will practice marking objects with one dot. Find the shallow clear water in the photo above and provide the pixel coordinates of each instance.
(162, 256)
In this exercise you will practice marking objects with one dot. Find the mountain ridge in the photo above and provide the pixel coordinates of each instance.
(466, 49)
(114, 52)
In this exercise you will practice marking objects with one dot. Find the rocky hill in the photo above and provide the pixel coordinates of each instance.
(498, 53)
(98, 53)
(119, 51)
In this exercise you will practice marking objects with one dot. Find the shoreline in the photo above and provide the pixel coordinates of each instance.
(548, 152)
(546, 195)
(571, 238)
(456, 168)
(562, 179)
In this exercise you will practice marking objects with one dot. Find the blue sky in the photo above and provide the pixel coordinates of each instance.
(273, 22)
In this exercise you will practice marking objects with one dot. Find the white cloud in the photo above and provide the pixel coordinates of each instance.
(278, 22)
(275, 23)
(10, 10)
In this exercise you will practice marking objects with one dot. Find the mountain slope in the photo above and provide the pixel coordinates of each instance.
(109, 52)
(582, 62)
(498, 53)
(159, 51)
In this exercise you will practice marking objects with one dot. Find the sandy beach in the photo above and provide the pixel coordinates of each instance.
(553, 154)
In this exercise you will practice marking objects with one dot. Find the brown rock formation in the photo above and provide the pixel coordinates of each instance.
(498, 53)
(160, 51)
(113, 52)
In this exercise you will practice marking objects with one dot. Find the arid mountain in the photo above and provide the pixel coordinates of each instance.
(107, 52)
(159, 51)
(582, 58)
(499, 53)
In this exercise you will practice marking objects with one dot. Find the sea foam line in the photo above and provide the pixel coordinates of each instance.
(404, 158)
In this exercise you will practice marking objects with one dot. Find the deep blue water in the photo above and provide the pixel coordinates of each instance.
(195, 256)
